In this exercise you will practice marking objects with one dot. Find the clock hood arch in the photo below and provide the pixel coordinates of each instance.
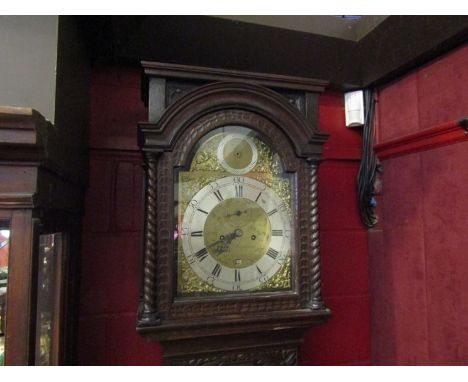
(179, 116)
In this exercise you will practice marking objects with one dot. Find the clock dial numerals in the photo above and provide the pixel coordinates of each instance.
(217, 270)
(258, 197)
(202, 254)
(273, 253)
(218, 195)
(239, 190)
(273, 211)
(228, 237)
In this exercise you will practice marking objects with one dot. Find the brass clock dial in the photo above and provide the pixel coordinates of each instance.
(236, 233)
(235, 217)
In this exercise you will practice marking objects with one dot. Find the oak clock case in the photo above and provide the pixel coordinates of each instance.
(231, 265)
(235, 217)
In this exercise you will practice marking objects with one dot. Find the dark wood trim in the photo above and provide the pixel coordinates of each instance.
(215, 74)
(19, 329)
(441, 135)
(38, 195)
(402, 43)
(231, 95)
(18, 125)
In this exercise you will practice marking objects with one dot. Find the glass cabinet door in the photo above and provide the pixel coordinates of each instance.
(43, 298)
(49, 277)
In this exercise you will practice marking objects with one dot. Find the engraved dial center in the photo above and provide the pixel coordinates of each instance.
(228, 234)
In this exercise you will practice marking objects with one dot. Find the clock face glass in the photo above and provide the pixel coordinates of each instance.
(235, 215)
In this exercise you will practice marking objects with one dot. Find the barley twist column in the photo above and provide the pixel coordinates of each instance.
(149, 314)
(315, 292)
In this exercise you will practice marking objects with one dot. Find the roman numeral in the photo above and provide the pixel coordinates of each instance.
(216, 270)
(258, 197)
(196, 233)
(202, 254)
(237, 275)
(277, 232)
(199, 209)
(274, 211)
(272, 253)
(218, 195)
(239, 190)
(259, 270)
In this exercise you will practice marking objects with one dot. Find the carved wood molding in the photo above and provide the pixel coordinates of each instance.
(264, 357)
(216, 74)
(441, 135)
(210, 98)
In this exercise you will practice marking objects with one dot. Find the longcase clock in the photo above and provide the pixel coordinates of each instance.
(231, 262)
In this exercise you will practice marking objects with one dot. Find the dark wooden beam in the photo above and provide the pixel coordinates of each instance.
(396, 46)
(402, 43)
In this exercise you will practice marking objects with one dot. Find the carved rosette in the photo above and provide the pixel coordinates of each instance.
(315, 301)
(148, 314)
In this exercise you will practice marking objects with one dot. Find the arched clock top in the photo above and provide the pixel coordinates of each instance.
(221, 96)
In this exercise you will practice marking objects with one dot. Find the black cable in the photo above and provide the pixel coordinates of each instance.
(369, 164)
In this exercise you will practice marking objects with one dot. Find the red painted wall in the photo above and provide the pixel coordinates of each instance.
(110, 262)
(345, 338)
(418, 250)
(111, 251)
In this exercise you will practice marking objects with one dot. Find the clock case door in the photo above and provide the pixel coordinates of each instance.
(213, 330)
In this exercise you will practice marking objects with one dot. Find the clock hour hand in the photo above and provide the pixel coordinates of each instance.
(222, 245)
(237, 213)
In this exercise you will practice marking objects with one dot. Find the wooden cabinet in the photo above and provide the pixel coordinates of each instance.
(40, 219)
(231, 248)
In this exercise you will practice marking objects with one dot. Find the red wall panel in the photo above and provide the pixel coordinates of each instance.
(418, 250)
(398, 109)
(345, 338)
(112, 229)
